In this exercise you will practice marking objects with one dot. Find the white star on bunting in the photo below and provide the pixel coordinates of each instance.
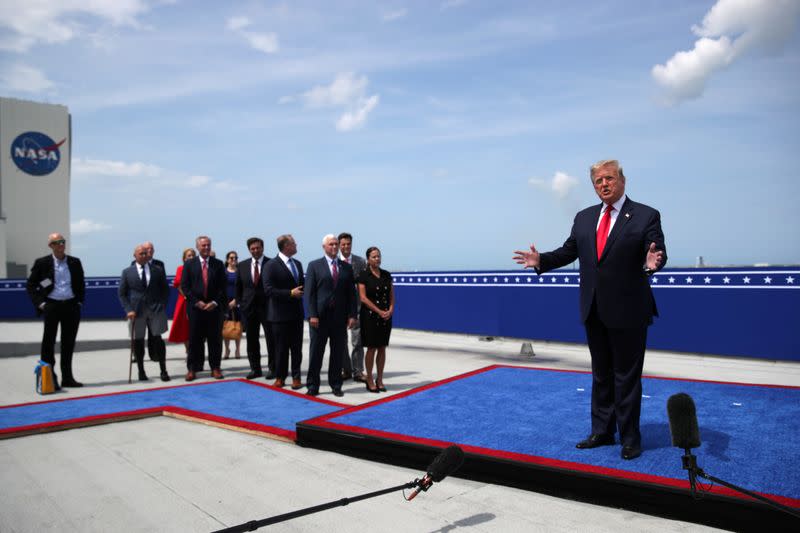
(689, 280)
(790, 280)
(726, 280)
(706, 280)
(746, 280)
(768, 280)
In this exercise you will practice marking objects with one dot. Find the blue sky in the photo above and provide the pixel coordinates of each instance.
(449, 133)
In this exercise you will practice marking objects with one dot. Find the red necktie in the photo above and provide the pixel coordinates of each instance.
(602, 231)
(205, 279)
(335, 269)
(256, 277)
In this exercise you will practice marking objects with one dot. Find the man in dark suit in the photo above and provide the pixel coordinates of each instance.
(204, 285)
(619, 244)
(330, 288)
(283, 285)
(156, 348)
(252, 300)
(57, 287)
(143, 293)
(353, 366)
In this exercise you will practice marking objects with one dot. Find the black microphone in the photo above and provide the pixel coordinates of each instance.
(684, 432)
(447, 462)
(683, 421)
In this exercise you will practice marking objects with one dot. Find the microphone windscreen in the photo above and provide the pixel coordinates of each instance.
(447, 462)
(683, 421)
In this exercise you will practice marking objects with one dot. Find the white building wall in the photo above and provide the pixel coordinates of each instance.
(33, 206)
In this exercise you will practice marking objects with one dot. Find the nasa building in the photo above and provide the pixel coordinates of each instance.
(36, 143)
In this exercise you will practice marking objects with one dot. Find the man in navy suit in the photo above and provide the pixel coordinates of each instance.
(143, 293)
(619, 244)
(57, 287)
(252, 300)
(283, 285)
(204, 286)
(330, 288)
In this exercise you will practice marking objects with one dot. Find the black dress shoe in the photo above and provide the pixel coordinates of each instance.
(270, 375)
(312, 392)
(338, 393)
(346, 376)
(254, 375)
(71, 383)
(595, 440)
(143, 376)
(164, 376)
(630, 452)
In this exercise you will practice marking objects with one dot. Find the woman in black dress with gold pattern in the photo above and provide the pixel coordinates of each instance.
(377, 306)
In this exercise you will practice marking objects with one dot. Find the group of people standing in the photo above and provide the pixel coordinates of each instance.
(343, 292)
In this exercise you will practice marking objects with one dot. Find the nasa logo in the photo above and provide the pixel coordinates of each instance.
(35, 153)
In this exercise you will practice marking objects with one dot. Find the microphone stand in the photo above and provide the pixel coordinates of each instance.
(690, 464)
(255, 524)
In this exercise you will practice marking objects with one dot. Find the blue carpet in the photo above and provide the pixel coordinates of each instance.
(240, 401)
(749, 433)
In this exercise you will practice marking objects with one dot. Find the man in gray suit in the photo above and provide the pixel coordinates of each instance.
(331, 293)
(143, 293)
(354, 365)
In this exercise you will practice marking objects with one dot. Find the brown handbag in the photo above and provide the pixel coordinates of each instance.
(231, 330)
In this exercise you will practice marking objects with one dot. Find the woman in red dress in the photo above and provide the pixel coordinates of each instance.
(179, 332)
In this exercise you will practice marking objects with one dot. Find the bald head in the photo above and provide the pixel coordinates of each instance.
(57, 244)
(148, 247)
(140, 254)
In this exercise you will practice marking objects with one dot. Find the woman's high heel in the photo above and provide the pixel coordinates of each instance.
(371, 390)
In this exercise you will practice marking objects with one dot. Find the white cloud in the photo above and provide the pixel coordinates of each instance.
(560, 184)
(342, 91)
(44, 21)
(197, 181)
(126, 174)
(730, 29)
(85, 225)
(263, 42)
(395, 15)
(346, 91)
(351, 120)
(237, 23)
(99, 167)
(22, 78)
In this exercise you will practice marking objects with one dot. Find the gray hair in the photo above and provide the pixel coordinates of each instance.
(603, 163)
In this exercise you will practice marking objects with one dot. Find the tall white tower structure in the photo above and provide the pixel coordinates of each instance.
(35, 155)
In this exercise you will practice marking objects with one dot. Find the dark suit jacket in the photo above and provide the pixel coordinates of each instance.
(319, 289)
(278, 285)
(192, 282)
(616, 282)
(248, 289)
(134, 296)
(44, 269)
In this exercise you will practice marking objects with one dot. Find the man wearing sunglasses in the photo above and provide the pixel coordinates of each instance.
(57, 288)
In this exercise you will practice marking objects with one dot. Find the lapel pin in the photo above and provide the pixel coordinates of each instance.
(627, 215)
